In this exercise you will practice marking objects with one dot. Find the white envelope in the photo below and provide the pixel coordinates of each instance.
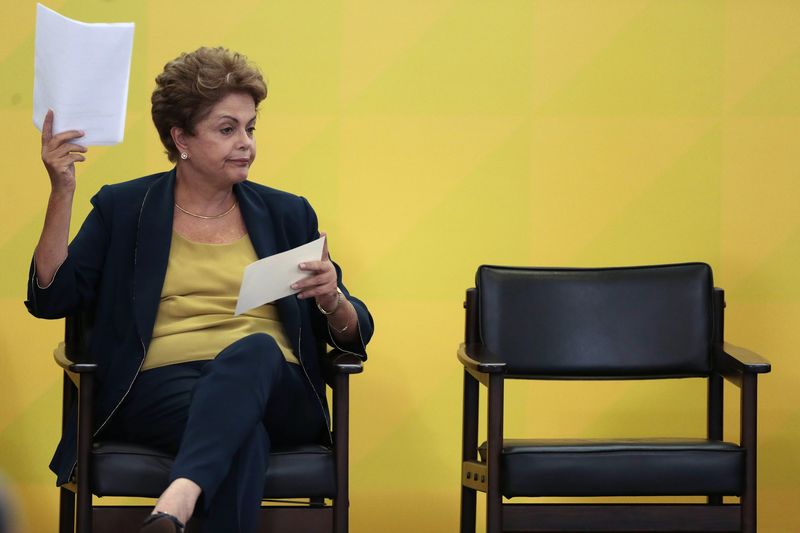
(269, 279)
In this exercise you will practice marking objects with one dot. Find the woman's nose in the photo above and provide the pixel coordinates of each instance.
(244, 139)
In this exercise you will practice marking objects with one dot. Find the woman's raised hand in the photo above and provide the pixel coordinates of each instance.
(59, 154)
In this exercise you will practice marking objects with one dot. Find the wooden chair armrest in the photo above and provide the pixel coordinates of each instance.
(735, 359)
(336, 363)
(70, 367)
(60, 356)
(476, 358)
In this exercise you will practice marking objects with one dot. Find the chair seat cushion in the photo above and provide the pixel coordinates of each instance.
(122, 469)
(625, 467)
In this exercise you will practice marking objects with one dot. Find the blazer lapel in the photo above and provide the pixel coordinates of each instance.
(263, 231)
(153, 238)
(258, 219)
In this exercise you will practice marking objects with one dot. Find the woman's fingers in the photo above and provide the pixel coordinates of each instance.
(313, 293)
(315, 266)
(325, 255)
(325, 289)
(60, 153)
(72, 147)
(64, 136)
(47, 127)
(323, 279)
(53, 142)
(326, 277)
(63, 157)
(54, 148)
(322, 282)
(65, 152)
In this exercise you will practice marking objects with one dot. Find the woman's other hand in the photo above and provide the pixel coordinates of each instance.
(322, 282)
(322, 285)
(59, 155)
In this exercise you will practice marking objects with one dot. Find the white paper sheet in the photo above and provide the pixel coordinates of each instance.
(271, 278)
(81, 72)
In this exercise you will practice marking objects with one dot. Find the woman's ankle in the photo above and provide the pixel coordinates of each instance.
(179, 499)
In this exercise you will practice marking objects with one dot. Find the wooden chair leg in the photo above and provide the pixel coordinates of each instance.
(494, 498)
(715, 418)
(66, 511)
(340, 524)
(66, 504)
(469, 449)
(83, 522)
(468, 504)
(715, 387)
(749, 421)
(341, 430)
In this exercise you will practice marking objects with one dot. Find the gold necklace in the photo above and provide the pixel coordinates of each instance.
(205, 217)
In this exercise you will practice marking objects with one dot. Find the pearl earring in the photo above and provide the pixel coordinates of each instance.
(184, 156)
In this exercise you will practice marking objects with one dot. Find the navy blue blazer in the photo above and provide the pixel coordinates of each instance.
(117, 263)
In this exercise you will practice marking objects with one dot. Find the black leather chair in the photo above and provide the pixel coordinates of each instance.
(610, 324)
(306, 486)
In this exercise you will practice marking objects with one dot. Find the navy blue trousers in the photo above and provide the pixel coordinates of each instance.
(221, 418)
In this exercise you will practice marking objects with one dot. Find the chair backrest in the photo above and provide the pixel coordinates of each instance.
(606, 323)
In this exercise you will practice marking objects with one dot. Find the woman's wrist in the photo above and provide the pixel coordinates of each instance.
(343, 320)
(339, 313)
(62, 194)
(330, 304)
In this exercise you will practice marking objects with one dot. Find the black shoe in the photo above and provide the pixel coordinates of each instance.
(161, 523)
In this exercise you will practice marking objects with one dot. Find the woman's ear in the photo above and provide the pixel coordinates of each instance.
(179, 138)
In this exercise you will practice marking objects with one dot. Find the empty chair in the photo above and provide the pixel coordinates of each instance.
(605, 324)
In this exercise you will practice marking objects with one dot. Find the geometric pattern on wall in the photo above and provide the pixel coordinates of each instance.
(433, 136)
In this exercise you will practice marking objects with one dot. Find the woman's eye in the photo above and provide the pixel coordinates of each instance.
(226, 131)
(251, 130)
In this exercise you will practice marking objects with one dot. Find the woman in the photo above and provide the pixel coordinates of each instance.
(160, 259)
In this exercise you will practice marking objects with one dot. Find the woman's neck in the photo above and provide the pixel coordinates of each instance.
(200, 196)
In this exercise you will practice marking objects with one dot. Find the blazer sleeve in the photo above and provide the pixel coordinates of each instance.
(321, 327)
(75, 282)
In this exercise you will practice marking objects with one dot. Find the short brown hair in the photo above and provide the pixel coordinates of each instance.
(193, 83)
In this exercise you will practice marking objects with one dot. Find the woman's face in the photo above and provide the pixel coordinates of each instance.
(223, 147)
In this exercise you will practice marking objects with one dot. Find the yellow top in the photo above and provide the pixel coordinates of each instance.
(195, 317)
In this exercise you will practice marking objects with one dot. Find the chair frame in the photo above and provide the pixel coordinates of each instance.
(78, 514)
(736, 365)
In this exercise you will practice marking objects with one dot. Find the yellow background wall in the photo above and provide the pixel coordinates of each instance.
(433, 136)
